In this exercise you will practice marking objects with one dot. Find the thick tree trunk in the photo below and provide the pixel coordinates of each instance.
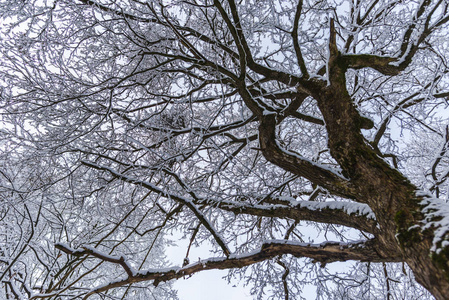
(390, 195)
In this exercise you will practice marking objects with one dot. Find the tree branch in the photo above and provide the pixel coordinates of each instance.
(299, 57)
(324, 253)
(237, 34)
(381, 64)
(298, 165)
(354, 215)
(394, 65)
(94, 252)
(405, 103)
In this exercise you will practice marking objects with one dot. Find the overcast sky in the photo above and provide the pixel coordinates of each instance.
(209, 285)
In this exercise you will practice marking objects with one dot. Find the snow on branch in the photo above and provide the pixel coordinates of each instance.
(323, 253)
(88, 250)
(350, 214)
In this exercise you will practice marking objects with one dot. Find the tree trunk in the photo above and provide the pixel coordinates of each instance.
(390, 195)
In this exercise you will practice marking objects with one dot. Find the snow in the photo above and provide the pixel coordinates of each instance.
(103, 255)
(205, 221)
(158, 271)
(437, 216)
(70, 249)
(267, 112)
(358, 243)
(66, 246)
(350, 208)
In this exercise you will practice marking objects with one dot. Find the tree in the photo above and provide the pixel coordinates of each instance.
(275, 130)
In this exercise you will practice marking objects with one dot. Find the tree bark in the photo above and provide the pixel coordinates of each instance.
(390, 195)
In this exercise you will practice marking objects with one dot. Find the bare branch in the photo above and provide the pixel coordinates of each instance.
(299, 57)
(87, 250)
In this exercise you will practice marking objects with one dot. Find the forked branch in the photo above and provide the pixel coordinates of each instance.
(298, 165)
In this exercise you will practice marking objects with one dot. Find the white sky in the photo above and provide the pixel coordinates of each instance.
(209, 285)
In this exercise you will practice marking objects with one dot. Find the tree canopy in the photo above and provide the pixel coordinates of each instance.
(283, 135)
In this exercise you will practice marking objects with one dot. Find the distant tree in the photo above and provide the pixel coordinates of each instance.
(273, 130)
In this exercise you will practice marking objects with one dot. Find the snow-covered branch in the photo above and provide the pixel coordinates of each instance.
(323, 253)
(355, 215)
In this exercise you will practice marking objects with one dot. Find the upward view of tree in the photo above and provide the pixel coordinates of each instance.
(285, 135)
